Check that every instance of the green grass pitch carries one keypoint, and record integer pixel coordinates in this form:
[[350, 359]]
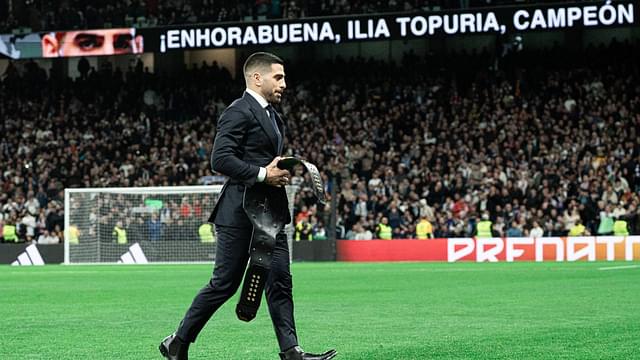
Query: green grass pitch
[[366, 311]]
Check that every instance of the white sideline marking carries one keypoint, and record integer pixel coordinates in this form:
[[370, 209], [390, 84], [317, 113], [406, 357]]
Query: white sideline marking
[[620, 267]]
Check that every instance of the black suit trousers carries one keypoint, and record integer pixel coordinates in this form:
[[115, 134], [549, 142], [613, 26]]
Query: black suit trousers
[[232, 255]]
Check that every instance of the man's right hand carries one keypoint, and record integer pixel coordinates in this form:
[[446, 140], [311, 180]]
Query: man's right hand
[[275, 175]]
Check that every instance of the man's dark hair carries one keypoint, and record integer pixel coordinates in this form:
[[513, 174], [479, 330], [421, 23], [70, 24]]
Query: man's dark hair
[[260, 60]]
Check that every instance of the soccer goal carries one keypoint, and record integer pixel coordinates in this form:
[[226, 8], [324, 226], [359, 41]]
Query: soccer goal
[[142, 225]]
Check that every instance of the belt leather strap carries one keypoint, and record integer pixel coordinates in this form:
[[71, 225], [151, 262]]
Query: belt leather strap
[[267, 226]]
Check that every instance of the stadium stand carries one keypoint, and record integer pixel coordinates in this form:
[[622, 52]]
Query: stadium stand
[[43, 15], [529, 147], [537, 146]]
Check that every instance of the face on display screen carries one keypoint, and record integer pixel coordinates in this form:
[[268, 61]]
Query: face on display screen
[[92, 43]]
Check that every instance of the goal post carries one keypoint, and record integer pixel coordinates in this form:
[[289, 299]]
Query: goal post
[[142, 225]]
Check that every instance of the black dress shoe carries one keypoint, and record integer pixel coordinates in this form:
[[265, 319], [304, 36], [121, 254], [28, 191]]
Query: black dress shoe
[[296, 353], [172, 348]]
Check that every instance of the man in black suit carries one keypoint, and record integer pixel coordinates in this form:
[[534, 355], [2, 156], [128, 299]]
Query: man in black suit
[[249, 140]]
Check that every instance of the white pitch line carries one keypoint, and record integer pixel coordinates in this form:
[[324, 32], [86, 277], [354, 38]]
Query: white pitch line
[[619, 267]]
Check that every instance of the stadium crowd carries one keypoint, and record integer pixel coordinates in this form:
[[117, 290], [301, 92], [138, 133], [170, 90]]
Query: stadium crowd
[[42, 15], [63, 133], [546, 145], [552, 151]]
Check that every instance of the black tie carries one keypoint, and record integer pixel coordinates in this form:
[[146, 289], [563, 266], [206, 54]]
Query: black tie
[[272, 115]]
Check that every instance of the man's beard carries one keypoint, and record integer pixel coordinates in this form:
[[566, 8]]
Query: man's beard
[[274, 98]]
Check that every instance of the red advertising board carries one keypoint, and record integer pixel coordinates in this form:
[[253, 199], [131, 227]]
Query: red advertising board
[[589, 248]]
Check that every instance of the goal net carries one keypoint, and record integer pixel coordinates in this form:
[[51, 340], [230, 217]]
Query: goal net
[[140, 225]]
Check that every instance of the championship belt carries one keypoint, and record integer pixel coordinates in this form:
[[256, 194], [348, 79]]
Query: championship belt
[[267, 225], [318, 187]]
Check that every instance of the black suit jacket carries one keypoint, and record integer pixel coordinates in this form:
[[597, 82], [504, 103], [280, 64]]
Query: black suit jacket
[[245, 141]]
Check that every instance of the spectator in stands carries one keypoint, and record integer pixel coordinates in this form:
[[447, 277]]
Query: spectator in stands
[[319, 232], [536, 231], [620, 227], [484, 227], [384, 231], [360, 233], [500, 228], [155, 227], [48, 238], [304, 213], [10, 232], [304, 230], [28, 226], [424, 229], [571, 218], [32, 204], [119, 233], [514, 230], [578, 229]]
